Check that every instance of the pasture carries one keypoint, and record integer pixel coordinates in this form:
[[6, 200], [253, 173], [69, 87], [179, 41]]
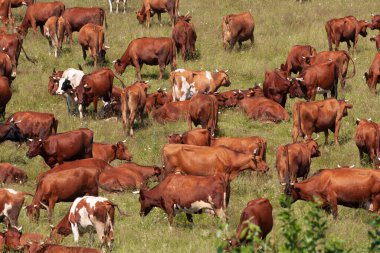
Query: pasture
[[279, 25]]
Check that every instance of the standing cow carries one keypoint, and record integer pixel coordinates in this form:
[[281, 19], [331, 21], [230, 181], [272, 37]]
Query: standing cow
[[184, 36], [372, 77], [367, 139], [297, 57], [54, 31], [238, 28], [204, 111], [158, 6]]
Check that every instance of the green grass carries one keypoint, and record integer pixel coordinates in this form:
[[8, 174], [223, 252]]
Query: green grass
[[279, 25]]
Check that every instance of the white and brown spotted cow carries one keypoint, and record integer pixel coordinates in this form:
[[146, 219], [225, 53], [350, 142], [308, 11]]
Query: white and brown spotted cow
[[11, 203], [186, 83]]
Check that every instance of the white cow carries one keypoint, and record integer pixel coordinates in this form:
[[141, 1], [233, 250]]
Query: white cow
[[70, 79]]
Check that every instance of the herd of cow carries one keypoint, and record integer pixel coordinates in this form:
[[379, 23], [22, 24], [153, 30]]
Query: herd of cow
[[197, 165]]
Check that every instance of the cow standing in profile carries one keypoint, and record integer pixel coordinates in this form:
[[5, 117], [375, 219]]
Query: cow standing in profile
[[237, 28], [150, 7]]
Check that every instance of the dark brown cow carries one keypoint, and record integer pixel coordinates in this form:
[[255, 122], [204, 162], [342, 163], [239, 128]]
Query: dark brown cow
[[320, 116], [37, 14], [6, 12], [171, 112], [5, 95], [376, 39], [11, 174], [294, 160], [237, 28], [109, 152], [375, 22], [345, 30], [204, 111], [156, 100], [91, 37], [149, 51], [54, 31], [367, 139], [184, 36], [297, 57], [11, 203], [190, 194], [208, 161], [77, 17], [340, 186], [373, 76], [199, 137], [263, 109], [67, 146], [43, 247], [19, 3], [150, 7], [6, 69]]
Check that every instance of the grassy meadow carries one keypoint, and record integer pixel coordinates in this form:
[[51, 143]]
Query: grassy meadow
[[279, 25]]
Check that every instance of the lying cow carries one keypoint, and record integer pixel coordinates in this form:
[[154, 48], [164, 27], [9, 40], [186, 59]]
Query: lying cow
[[171, 112], [229, 98], [53, 248], [156, 100], [238, 28], [297, 57], [376, 39], [190, 194], [11, 174], [367, 139], [150, 7], [109, 152], [15, 240], [199, 137], [184, 36], [320, 116], [54, 31], [373, 76], [204, 111], [5, 95], [263, 109], [11, 203]]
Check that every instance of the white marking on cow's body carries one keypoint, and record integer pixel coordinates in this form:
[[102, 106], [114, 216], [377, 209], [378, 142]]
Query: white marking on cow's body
[[180, 70], [7, 208], [194, 207], [208, 75], [322, 91], [11, 191], [186, 89], [91, 200]]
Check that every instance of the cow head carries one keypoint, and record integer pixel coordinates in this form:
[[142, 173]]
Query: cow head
[[370, 79], [33, 212], [10, 131], [141, 16], [260, 164], [344, 105], [312, 145], [175, 139], [296, 89], [119, 66], [22, 31], [292, 192], [13, 237], [53, 84], [145, 203], [222, 78], [102, 52], [35, 146], [375, 22], [122, 152], [64, 86], [60, 231], [363, 25]]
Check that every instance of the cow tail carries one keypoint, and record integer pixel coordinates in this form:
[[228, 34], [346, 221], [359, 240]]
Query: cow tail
[[124, 101], [176, 8], [119, 210], [214, 114], [298, 109], [10, 12], [377, 140], [353, 63], [55, 125], [329, 34], [263, 150], [27, 57], [121, 81], [97, 46], [105, 19]]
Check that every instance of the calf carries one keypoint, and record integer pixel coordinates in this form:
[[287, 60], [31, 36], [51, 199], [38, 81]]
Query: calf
[[109, 152], [199, 137], [156, 100], [11, 203], [67, 146], [376, 39], [294, 160], [161, 6], [5, 95], [11, 174], [54, 31], [367, 139], [263, 109], [184, 36], [6, 12], [238, 28], [320, 116], [373, 76], [297, 57], [171, 112], [190, 194], [203, 110]]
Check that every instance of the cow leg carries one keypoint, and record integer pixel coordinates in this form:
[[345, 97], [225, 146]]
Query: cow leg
[[162, 70], [147, 18], [50, 211], [252, 39], [240, 44], [117, 6], [110, 4], [95, 102], [34, 26], [99, 227], [169, 209], [232, 43], [159, 18], [336, 133], [326, 136], [189, 218], [331, 198], [131, 120], [221, 214], [84, 53], [124, 5], [183, 49], [337, 42], [189, 122], [80, 109]]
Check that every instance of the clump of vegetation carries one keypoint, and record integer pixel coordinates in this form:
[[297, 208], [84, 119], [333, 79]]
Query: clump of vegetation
[[374, 235]]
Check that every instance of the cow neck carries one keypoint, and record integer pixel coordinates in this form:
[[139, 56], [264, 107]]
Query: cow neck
[[125, 59], [154, 196]]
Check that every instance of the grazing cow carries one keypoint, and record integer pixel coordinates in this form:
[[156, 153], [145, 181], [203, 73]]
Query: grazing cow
[[62, 186], [117, 5], [367, 139], [263, 109], [237, 28], [77, 17], [345, 30], [184, 36], [320, 116], [199, 137], [11, 174], [294, 160], [156, 100], [6, 69], [54, 31], [37, 14], [150, 7], [375, 22], [373, 76], [15, 240], [91, 37], [109, 152], [277, 86], [11, 203], [189, 194], [149, 51], [5, 95], [203, 110], [376, 39], [53, 248], [341, 186], [67, 146], [133, 99], [6, 12], [186, 83], [171, 112], [208, 161], [297, 57]]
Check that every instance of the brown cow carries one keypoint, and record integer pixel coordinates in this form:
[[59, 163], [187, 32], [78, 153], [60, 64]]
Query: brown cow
[[146, 172], [133, 99], [149, 51], [54, 31], [297, 57], [43, 247], [156, 100], [198, 136], [19, 3], [171, 112], [150, 7], [376, 39], [345, 30], [6, 12], [320, 116], [11, 174], [375, 22], [206, 161], [341, 186], [6, 68], [15, 240], [263, 109], [373, 76], [37, 14], [91, 37], [184, 36], [204, 111], [11, 203], [238, 28], [67, 146], [5, 95], [109, 152], [229, 98], [190, 194], [294, 160], [367, 139]]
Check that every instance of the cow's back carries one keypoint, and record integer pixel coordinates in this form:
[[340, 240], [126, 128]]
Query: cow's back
[[35, 124]]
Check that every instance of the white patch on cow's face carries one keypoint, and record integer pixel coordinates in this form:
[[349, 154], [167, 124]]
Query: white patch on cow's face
[[11, 191], [322, 91], [208, 75], [194, 207], [180, 70]]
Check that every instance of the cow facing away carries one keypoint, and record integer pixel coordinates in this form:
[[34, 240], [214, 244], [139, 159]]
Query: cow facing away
[[184, 36], [372, 77], [150, 7], [237, 28], [204, 111], [297, 57], [54, 31], [367, 139]]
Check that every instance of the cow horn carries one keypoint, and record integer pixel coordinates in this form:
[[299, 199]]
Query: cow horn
[[164, 89], [216, 70], [42, 204], [85, 85], [346, 100], [303, 57], [339, 166], [317, 137], [39, 139], [188, 12], [114, 61], [240, 91], [289, 79], [352, 166], [283, 184], [158, 89], [136, 192], [255, 151], [106, 47], [3, 48], [235, 92], [125, 141], [357, 120], [18, 228], [51, 226], [299, 79], [146, 81], [291, 183], [372, 14], [370, 119], [11, 120], [180, 135], [226, 70], [30, 139], [17, 122]]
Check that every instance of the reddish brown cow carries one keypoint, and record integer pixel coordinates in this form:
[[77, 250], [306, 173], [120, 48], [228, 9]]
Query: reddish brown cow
[[150, 51], [320, 116], [5, 95], [297, 57], [19, 3], [54, 31], [109, 152], [294, 160], [375, 22], [37, 14], [367, 139], [6, 69], [184, 36], [11, 174], [203, 110], [67, 146], [376, 39], [52, 248], [146, 172], [150, 7], [373, 76], [6, 12], [199, 137], [15, 240], [11, 203], [171, 112], [206, 161], [238, 28], [156, 100], [263, 109], [190, 194], [229, 98], [340, 186], [345, 30]]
